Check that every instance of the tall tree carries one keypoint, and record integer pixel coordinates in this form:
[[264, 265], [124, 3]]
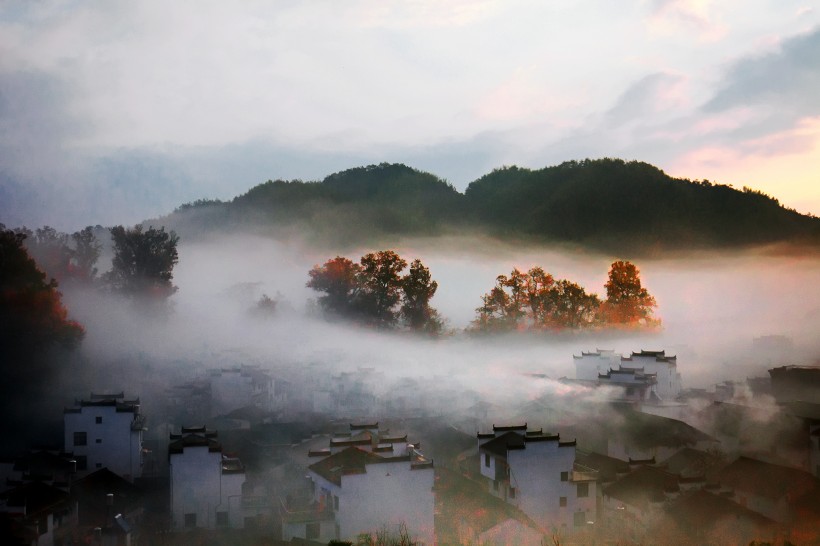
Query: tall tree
[[338, 278], [144, 261], [628, 303], [571, 307], [418, 288], [380, 287], [85, 254]]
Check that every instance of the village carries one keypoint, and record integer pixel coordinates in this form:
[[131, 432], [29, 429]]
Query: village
[[243, 455]]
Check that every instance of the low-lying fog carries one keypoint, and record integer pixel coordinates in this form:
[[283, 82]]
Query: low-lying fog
[[712, 308]]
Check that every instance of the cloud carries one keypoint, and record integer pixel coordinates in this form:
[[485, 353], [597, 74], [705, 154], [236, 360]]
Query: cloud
[[785, 79], [652, 95]]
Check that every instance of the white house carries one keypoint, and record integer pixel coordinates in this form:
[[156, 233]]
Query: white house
[[663, 367], [591, 364], [358, 491], [106, 432], [234, 388], [537, 473], [206, 485]]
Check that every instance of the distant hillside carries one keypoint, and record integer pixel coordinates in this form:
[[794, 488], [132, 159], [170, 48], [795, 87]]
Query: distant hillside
[[607, 204]]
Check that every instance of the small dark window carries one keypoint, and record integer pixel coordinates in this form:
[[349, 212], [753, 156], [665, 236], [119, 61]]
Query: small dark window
[[312, 531], [98, 465], [222, 519], [583, 490], [190, 520], [80, 439], [512, 492], [564, 476], [98, 419], [580, 519], [487, 459], [98, 441], [562, 501]]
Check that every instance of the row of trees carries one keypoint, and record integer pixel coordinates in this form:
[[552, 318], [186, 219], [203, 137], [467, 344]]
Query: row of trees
[[536, 300], [142, 264], [374, 292]]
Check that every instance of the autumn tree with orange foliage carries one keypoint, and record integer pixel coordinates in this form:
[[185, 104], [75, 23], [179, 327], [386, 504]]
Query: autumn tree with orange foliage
[[628, 303]]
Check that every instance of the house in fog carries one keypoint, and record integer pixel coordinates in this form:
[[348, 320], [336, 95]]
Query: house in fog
[[645, 378], [234, 388], [367, 437], [796, 383], [538, 473], [53, 467], [363, 489], [36, 513], [769, 489], [206, 484], [105, 431]]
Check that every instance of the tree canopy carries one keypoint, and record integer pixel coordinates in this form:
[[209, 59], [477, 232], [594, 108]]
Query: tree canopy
[[143, 263], [375, 293], [535, 300]]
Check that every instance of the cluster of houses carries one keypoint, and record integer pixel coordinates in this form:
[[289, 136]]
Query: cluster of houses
[[729, 471]]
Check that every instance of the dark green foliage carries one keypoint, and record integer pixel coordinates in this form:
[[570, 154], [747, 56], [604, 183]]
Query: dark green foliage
[[607, 204], [374, 293], [144, 261]]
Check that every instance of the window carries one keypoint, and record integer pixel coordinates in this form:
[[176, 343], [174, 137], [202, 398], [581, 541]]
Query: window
[[487, 460], [512, 492], [583, 490], [190, 520], [312, 531], [579, 519], [222, 519], [562, 501], [98, 441], [98, 420], [98, 465], [564, 476], [80, 439]]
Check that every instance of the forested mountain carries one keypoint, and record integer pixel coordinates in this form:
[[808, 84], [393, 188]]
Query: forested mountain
[[608, 204]]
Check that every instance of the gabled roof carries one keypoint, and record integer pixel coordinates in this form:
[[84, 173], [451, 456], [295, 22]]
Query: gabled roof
[[193, 440], [35, 497], [767, 480], [608, 467], [645, 430], [701, 510], [693, 462], [644, 485], [352, 460]]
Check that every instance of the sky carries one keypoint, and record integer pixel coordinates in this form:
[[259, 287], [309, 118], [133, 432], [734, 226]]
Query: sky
[[114, 112]]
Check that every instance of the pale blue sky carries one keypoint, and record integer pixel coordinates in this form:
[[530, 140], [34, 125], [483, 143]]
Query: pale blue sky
[[112, 112]]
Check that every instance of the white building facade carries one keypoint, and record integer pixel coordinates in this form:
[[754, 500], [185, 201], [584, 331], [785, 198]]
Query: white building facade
[[537, 473], [105, 432], [206, 485]]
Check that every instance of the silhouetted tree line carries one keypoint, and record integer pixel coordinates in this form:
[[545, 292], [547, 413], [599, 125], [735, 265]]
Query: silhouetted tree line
[[535, 300], [606, 203]]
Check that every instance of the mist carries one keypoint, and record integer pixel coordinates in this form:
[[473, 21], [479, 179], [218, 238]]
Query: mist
[[712, 306]]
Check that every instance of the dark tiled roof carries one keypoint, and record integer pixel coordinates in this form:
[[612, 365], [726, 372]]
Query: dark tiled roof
[[701, 510], [767, 480], [510, 427], [349, 461], [36, 497], [608, 467], [644, 485], [193, 440]]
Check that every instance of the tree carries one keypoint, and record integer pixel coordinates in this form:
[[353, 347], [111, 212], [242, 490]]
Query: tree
[[535, 300], [380, 287], [143, 264], [418, 288], [32, 315], [36, 338], [85, 254], [373, 291], [628, 303], [339, 279]]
